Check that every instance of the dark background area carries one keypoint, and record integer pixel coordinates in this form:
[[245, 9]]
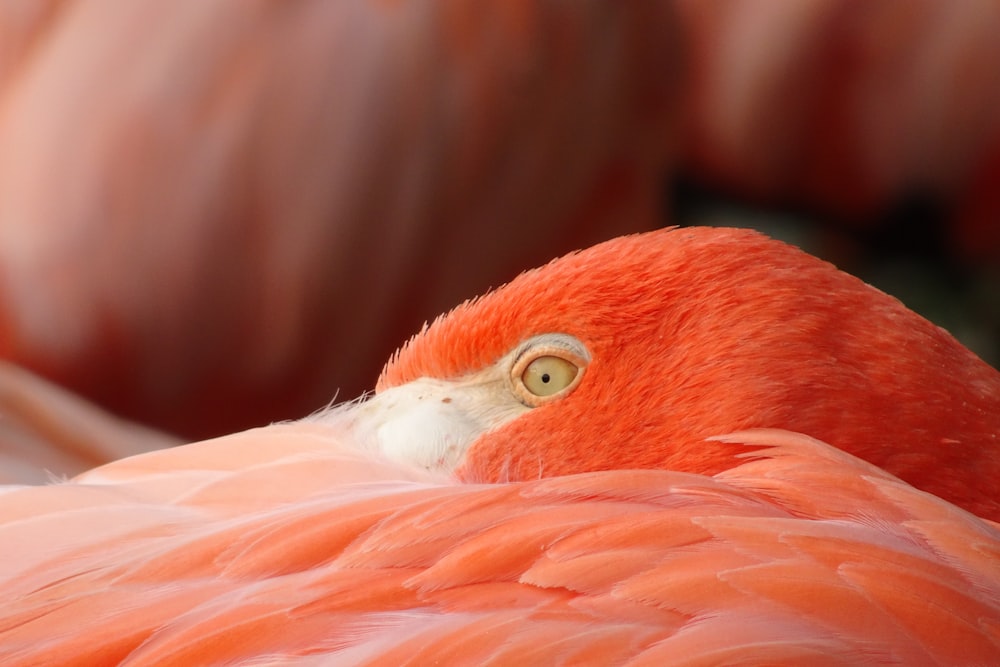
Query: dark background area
[[906, 252]]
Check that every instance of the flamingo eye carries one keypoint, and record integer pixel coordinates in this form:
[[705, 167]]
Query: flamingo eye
[[548, 375], [547, 369]]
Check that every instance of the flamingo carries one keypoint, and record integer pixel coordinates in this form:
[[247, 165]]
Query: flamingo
[[595, 464], [848, 108], [256, 169]]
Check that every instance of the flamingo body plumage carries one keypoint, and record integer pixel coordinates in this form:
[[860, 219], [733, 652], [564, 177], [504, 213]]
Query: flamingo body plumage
[[611, 520], [283, 546]]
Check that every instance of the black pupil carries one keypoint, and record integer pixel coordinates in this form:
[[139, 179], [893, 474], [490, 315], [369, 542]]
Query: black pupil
[[545, 378]]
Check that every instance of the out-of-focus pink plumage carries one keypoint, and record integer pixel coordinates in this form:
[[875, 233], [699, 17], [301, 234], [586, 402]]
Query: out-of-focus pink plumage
[[203, 204]]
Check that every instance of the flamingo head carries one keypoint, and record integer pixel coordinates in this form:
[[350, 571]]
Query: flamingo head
[[633, 352]]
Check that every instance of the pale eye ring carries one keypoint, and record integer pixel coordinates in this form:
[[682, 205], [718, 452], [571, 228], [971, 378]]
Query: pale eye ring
[[548, 368]]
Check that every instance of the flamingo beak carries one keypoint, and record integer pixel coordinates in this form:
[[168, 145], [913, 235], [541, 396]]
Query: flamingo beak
[[430, 423]]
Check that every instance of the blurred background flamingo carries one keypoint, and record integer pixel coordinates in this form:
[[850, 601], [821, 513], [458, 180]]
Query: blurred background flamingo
[[203, 204]]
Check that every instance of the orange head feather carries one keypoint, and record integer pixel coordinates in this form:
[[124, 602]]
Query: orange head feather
[[699, 332]]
